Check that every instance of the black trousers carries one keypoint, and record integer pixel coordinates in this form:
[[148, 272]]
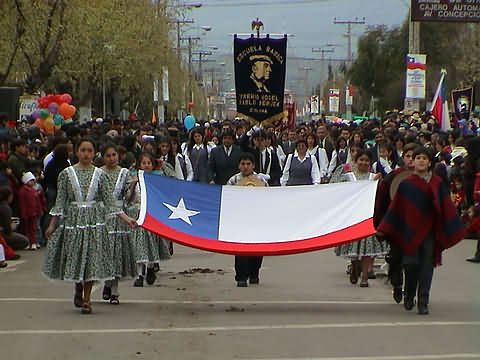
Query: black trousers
[[419, 272], [395, 268], [247, 267]]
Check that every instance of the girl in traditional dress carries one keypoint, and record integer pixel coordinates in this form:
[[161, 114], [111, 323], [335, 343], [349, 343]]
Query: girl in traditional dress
[[123, 250], [149, 248], [361, 252], [79, 249]]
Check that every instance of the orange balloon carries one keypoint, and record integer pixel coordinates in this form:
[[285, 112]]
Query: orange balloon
[[39, 124], [64, 110]]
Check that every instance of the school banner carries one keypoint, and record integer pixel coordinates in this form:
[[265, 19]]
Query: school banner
[[260, 66], [416, 70], [244, 220], [462, 100]]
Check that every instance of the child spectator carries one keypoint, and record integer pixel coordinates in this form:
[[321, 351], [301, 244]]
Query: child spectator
[[30, 209], [384, 165], [13, 239]]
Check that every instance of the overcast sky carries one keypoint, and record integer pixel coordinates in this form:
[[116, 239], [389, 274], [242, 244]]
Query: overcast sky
[[310, 21]]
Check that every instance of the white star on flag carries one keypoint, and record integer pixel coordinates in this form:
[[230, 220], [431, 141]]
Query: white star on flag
[[181, 212]]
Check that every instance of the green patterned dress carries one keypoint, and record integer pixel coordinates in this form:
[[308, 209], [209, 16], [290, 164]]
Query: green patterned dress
[[80, 248], [149, 248], [368, 246], [116, 183]]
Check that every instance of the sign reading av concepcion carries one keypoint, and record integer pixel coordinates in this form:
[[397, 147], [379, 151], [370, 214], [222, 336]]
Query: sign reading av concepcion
[[446, 10]]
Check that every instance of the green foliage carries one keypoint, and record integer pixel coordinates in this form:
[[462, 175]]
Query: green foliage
[[77, 45], [379, 70]]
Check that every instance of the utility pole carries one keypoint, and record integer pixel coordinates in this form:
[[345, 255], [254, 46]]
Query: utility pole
[[322, 70], [190, 39], [413, 48], [178, 22], [201, 53], [306, 87], [348, 35]]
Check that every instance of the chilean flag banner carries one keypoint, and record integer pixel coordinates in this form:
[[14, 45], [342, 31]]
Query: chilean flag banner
[[439, 108], [256, 221]]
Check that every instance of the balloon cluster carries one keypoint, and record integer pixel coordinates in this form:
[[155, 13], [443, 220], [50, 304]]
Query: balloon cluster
[[53, 111]]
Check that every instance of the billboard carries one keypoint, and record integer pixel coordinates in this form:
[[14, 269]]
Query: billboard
[[416, 69], [445, 10]]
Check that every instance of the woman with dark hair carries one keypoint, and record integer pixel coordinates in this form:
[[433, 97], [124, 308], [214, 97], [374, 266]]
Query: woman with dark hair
[[361, 252], [116, 183], [301, 168], [80, 250], [198, 151], [149, 248]]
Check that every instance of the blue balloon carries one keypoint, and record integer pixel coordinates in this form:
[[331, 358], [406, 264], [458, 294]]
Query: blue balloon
[[189, 122], [57, 119]]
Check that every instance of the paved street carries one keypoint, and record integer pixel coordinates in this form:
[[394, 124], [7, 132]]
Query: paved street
[[304, 308]]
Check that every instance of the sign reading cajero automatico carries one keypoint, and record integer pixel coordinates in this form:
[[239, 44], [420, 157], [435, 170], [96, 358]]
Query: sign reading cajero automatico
[[446, 10], [260, 65]]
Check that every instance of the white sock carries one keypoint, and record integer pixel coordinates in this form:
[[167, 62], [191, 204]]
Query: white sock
[[2, 253]]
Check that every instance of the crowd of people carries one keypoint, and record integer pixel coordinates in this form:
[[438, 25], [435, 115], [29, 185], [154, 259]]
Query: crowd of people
[[77, 194]]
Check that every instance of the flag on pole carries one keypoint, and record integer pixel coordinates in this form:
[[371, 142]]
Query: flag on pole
[[439, 108], [154, 118], [252, 220]]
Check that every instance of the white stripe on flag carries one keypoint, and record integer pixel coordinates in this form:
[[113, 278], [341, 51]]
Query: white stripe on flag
[[281, 214], [143, 207]]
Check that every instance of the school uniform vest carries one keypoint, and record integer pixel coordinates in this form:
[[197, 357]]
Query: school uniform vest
[[300, 172], [199, 159]]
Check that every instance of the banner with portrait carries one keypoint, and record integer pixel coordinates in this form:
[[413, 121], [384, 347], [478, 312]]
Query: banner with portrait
[[260, 66], [462, 103]]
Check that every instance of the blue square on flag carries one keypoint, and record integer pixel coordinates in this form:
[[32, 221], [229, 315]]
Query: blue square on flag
[[194, 210]]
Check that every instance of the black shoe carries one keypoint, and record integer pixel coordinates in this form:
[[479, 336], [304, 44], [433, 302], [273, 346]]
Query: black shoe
[[15, 257], [242, 283], [408, 303], [254, 281], [138, 282], [170, 248], [114, 300], [354, 273], [397, 294], [107, 293], [422, 309], [151, 277], [372, 275], [475, 259]]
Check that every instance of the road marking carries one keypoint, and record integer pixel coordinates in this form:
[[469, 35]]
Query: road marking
[[219, 302], [396, 357], [241, 328]]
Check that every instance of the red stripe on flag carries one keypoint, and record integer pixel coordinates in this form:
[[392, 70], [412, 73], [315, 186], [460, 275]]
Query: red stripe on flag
[[354, 232], [415, 66]]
